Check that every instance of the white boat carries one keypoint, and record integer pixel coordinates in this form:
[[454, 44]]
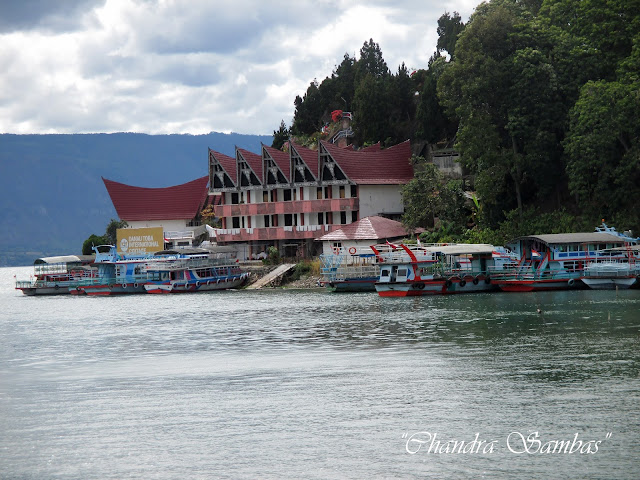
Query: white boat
[[54, 275], [609, 275]]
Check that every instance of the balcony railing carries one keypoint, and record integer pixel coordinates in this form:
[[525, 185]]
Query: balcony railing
[[299, 232], [277, 208]]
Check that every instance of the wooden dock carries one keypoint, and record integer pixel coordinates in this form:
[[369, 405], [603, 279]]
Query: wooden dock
[[271, 276]]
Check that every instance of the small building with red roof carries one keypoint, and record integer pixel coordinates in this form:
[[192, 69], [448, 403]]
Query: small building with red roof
[[176, 209], [358, 236]]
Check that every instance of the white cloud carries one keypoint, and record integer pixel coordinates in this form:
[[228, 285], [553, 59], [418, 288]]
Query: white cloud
[[177, 66]]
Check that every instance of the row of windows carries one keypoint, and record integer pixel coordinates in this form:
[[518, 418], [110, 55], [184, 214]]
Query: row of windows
[[291, 219], [291, 194]]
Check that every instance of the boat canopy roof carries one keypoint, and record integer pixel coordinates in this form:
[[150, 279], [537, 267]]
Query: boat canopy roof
[[463, 249], [564, 238], [65, 259]]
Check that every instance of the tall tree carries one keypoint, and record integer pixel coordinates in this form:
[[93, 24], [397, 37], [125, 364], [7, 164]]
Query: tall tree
[[308, 113], [449, 27], [280, 136], [371, 62]]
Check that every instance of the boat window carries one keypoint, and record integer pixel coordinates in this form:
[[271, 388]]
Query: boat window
[[384, 273], [402, 272]]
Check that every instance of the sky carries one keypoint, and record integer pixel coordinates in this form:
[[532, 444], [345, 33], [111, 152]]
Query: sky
[[191, 66]]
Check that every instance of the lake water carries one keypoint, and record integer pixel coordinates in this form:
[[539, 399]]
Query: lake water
[[308, 384]]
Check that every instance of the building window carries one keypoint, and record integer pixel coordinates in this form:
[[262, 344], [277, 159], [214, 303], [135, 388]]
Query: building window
[[354, 191], [327, 192], [336, 247], [266, 221], [234, 198], [288, 220], [274, 195], [235, 222], [320, 218], [265, 196], [319, 193], [354, 216], [343, 218], [287, 195], [342, 191]]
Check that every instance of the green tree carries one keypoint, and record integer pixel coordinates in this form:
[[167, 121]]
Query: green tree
[[280, 136], [93, 240], [432, 124], [449, 27], [371, 62], [111, 231], [603, 147], [370, 110], [421, 196], [309, 110]]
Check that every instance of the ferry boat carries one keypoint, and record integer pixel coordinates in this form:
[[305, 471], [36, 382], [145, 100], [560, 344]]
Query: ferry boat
[[117, 274], [54, 275], [443, 269], [201, 273], [168, 271], [355, 272], [558, 261]]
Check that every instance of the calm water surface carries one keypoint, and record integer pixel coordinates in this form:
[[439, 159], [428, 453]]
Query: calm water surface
[[307, 384]]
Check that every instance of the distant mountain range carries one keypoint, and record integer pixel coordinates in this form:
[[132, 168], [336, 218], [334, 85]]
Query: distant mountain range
[[51, 193]]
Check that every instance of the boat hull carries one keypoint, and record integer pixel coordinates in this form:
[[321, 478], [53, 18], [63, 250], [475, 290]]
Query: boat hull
[[600, 283], [42, 290], [438, 286], [202, 285], [538, 285], [367, 284], [109, 289]]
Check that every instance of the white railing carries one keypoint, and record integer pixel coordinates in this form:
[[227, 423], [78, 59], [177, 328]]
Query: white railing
[[179, 235]]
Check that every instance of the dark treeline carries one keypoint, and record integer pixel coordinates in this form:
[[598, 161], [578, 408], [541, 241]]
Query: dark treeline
[[540, 98]]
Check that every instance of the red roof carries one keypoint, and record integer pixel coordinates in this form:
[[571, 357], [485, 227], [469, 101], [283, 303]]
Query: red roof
[[368, 228], [228, 163], [254, 160], [180, 202], [391, 166], [281, 159], [309, 156]]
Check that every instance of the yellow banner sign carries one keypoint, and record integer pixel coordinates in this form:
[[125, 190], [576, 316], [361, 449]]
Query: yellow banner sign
[[135, 241]]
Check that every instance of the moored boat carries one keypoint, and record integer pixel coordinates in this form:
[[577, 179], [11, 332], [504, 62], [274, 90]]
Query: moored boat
[[194, 275], [610, 275], [355, 272], [439, 269], [557, 261], [117, 274], [54, 275]]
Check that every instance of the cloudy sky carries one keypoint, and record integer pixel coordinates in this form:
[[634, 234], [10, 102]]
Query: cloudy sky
[[190, 66]]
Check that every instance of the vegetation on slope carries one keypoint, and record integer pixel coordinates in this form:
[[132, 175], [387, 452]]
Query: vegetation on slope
[[540, 98]]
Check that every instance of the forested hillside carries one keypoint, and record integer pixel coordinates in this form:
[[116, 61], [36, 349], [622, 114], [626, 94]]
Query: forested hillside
[[540, 98], [51, 193]]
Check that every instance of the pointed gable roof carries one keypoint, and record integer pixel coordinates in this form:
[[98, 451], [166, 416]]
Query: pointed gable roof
[[281, 159], [309, 156], [226, 162], [180, 202], [253, 160], [368, 228], [391, 166]]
